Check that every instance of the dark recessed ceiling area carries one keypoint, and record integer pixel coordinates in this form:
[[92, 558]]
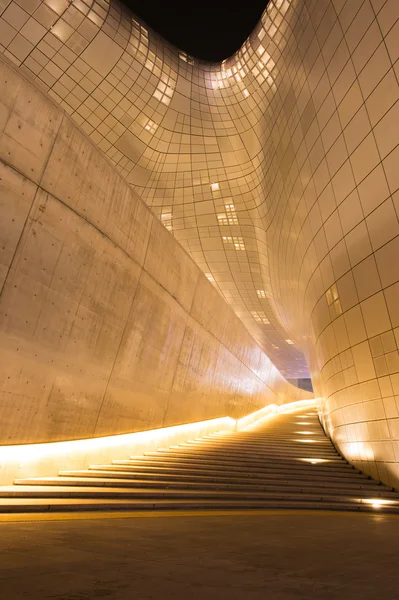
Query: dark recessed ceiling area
[[208, 30]]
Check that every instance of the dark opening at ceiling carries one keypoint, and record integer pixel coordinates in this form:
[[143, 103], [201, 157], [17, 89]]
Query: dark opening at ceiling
[[207, 30]]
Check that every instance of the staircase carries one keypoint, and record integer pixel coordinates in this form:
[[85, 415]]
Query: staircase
[[286, 462]]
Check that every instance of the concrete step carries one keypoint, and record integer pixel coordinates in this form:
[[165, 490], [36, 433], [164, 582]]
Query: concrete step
[[287, 487], [16, 492], [291, 467], [293, 440], [303, 461], [61, 505], [244, 456], [222, 472], [260, 447], [119, 473], [194, 463], [293, 443], [249, 454]]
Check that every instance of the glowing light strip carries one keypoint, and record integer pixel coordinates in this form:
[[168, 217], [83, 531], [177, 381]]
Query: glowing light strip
[[257, 417], [33, 452], [295, 406], [273, 410], [47, 459]]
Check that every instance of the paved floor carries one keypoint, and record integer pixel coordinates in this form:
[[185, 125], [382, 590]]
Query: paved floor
[[275, 555]]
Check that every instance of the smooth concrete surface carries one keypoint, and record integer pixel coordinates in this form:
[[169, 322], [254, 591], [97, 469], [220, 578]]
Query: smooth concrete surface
[[107, 326], [279, 555]]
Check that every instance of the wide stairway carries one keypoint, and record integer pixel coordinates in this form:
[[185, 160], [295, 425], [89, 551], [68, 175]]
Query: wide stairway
[[284, 462]]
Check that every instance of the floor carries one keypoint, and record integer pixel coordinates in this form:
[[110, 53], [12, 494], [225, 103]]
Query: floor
[[277, 555]]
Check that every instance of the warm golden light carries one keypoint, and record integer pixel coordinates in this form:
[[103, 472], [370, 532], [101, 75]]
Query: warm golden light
[[272, 410], [359, 451], [296, 406], [257, 417], [33, 452], [49, 458], [378, 502]]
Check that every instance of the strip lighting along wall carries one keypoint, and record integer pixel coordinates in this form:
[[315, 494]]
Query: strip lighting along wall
[[47, 459]]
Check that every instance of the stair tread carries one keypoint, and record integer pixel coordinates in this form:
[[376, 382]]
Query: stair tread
[[190, 467], [70, 491], [224, 472], [101, 482], [132, 501], [71, 504], [184, 477]]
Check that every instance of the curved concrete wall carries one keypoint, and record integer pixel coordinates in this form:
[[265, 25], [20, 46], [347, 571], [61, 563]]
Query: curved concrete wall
[[277, 170], [106, 324]]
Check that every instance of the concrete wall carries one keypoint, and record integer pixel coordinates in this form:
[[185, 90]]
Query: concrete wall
[[106, 324]]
